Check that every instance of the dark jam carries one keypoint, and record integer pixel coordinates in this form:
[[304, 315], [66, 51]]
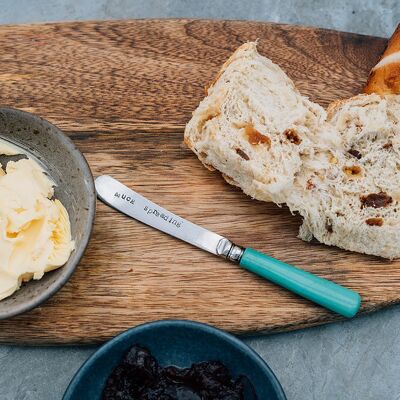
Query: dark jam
[[140, 377]]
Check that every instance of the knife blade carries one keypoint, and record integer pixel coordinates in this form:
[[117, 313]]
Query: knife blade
[[127, 201], [326, 293]]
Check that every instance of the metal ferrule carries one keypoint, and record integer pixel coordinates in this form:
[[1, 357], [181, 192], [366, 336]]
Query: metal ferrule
[[229, 250]]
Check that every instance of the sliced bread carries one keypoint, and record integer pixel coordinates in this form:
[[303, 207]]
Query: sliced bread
[[355, 203], [340, 170], [255, 127], [385, 76]]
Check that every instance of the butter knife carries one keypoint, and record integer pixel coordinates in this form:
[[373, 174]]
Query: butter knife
[[326, 293]]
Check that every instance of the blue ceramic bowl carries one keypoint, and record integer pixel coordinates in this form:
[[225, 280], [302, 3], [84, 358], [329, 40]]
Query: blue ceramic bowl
[[179, 343]]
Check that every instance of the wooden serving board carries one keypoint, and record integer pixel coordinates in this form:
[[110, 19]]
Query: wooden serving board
[[123, 91]]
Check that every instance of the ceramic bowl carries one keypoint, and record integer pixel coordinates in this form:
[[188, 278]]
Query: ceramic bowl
[[75, 189], [178, 343]]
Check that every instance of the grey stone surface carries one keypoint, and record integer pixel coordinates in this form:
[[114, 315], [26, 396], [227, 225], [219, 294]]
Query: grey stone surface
[[373, 17], [354, 360], [41, 373]]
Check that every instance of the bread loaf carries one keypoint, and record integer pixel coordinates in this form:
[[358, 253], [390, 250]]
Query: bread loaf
[[385, 76]]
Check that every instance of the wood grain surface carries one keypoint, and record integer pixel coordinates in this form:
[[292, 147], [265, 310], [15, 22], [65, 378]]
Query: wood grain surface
[[123, 91]]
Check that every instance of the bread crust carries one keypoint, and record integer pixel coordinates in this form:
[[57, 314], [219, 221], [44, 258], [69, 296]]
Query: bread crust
[[336, 105], [385, 77], [243, 47]]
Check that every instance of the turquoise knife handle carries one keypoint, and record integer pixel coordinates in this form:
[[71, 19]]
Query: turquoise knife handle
[[330, 295]]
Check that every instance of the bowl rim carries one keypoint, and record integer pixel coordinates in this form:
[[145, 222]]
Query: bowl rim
[[87, 173], [167, 323]]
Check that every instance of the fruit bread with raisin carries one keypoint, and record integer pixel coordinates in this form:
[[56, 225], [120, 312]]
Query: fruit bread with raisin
[[338, 170], [385, 76], [255, 127], [354, 203]]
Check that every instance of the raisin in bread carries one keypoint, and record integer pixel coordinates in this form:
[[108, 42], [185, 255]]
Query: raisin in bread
[[255, 127], [355, 203]]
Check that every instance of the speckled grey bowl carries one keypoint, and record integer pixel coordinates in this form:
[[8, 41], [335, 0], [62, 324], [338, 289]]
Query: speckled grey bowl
[[75, 189]]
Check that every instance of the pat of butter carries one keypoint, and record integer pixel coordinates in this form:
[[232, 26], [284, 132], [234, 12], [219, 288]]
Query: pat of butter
[[35, 231], [8, 149]]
